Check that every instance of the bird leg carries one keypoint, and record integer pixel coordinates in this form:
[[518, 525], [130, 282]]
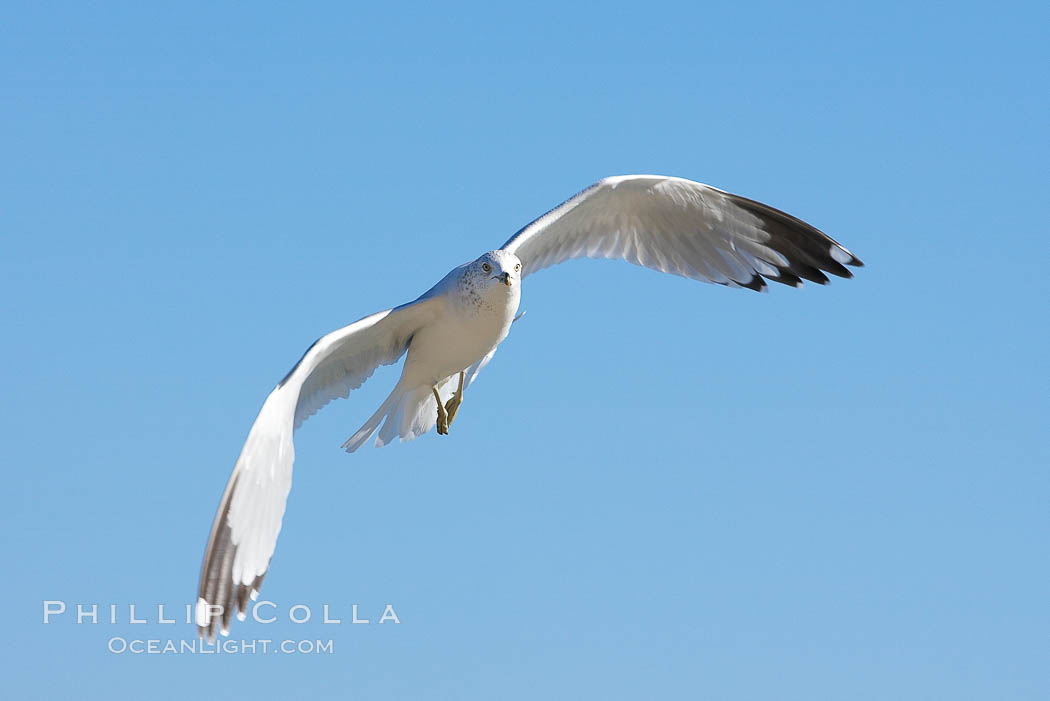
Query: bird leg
[[452, 406], [442, 423]]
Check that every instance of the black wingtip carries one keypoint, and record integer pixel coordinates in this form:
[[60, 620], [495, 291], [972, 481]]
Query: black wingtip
[[756, 283], [808, 252]]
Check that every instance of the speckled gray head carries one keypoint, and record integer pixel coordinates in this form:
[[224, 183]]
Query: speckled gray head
[[497, 267]]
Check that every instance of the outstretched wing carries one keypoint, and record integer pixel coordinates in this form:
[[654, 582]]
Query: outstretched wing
[[683, 227], [244, 533]]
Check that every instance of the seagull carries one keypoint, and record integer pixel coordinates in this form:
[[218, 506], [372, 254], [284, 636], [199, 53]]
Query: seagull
[[452, 330]]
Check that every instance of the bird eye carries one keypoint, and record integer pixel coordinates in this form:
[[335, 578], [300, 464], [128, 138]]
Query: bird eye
[[486, 267], [517, 268]]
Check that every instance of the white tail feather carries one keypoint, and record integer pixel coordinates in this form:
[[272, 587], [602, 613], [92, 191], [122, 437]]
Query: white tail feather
[[365, 432], [405, 414]]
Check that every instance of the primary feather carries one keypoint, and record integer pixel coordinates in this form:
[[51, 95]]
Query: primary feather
[[681, 227], [244, 533]]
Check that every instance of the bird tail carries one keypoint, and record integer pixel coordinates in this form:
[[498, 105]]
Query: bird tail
[[406, 414]]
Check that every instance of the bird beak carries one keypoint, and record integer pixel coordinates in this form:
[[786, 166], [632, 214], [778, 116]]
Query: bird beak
[[504, 278]]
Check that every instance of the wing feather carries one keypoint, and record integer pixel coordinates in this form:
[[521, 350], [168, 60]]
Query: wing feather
[[685, 228], [244, 532]]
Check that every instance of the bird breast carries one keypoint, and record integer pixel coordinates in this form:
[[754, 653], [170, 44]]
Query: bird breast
[[469, 328]]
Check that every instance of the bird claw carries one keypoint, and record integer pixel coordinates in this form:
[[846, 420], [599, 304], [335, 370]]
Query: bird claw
[[442, 419], [451, 407], [447, 412]]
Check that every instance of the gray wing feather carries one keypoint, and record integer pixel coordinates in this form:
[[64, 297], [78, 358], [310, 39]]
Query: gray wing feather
[[685, 228], [244, 533]]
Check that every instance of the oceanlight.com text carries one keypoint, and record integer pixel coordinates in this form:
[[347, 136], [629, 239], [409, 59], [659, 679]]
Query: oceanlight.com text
[[154, 646]]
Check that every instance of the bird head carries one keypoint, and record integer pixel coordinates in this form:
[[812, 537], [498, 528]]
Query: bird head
[[498, 268]]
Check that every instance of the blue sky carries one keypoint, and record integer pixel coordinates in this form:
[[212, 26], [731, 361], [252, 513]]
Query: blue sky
[[658, 489]]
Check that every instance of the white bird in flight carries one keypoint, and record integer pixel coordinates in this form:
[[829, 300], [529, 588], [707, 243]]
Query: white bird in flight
[[452, 330]]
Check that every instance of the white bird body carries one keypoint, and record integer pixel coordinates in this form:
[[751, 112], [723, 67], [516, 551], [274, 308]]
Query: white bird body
[[450, 332], [467, 325], [468, 316]]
